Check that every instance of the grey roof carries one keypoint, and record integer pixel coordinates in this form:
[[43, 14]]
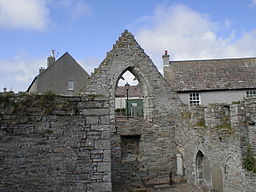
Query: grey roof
[[134, 91], [66, 57], [214, 74]]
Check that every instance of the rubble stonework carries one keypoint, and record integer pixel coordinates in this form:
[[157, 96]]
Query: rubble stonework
[[222, 133], [54, 143], [66, 148], [156, 159]]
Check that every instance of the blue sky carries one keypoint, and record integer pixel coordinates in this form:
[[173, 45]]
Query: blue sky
[[87, 29]]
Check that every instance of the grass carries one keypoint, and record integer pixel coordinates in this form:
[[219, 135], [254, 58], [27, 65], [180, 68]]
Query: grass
[[186, 115], [201, 123], [236, 102], [250, 160]]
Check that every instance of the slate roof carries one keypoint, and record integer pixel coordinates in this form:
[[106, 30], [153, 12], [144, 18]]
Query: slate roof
[[134, 91], [214, 74], [66, 57]]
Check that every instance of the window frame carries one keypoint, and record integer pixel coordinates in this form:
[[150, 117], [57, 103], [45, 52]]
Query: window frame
[[250, 93], [70, 85], [194, 99]]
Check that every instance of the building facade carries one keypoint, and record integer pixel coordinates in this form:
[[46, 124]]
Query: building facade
[[201, 82], [62, 77]]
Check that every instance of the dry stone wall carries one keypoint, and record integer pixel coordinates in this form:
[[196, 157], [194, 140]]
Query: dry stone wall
[[50, 143]]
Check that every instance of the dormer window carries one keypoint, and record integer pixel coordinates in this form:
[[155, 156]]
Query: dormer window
[[70, 85]]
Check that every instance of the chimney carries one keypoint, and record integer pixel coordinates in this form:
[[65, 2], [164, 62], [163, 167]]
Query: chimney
[[41, 70], [166, 57], [51, 59]]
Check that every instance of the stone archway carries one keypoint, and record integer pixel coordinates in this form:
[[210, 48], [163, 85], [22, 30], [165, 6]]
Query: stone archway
[[143, 88], [153, 136], [232, 174]]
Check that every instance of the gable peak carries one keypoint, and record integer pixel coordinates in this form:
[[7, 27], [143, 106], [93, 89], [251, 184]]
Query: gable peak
[[126, 40]]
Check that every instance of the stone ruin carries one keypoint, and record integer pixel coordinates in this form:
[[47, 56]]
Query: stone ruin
[[56, 143]]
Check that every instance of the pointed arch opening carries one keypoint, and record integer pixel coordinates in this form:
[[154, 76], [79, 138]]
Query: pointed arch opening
[[199, 167], [203, 169], [130, 93]]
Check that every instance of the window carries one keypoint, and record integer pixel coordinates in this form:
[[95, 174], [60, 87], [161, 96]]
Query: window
[[130, 146], [251, 93], [71, 85], [194, 99]]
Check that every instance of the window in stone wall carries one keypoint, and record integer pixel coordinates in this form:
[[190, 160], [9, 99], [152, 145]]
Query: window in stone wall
[[194, 99], [128, 93], [70, 85], [130, 146], [251, 93]]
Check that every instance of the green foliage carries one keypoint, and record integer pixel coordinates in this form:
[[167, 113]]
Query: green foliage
[[46, 102], [93, 96], [201, 123], [19, 103], [236, 102], [120, 110], [250, 160], [186, 115], [224, 128], [5, 99], [225, 125]]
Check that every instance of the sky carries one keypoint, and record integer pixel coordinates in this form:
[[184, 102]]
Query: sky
[[87, 29]]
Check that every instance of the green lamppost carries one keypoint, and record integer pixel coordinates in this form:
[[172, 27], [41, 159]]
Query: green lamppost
[[127, 86]]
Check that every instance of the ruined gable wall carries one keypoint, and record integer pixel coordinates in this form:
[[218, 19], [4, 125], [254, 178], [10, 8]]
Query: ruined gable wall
[[221, 133], [52, 143], [157, 146]]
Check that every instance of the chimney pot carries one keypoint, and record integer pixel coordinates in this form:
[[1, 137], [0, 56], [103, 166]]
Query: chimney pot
[[50, 59], [166, 58]]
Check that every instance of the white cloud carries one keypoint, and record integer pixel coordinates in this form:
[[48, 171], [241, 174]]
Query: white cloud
[[24, 14], [22, 73], [187, 34], [89, 64]]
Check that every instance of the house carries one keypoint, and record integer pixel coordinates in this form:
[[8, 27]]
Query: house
[[200, 82], [63, 77]]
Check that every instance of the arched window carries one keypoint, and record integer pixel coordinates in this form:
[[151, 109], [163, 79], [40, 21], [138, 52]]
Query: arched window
[[199, 167], [128, 96]]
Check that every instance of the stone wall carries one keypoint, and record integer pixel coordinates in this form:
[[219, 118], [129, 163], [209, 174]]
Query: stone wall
[[50, 143], [222, 133], [157, 157]]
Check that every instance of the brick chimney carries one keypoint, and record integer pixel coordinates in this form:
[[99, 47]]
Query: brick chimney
[[51, 59], [166, 58]]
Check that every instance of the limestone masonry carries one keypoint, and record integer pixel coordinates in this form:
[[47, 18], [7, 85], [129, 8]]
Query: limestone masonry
[[57, 143]]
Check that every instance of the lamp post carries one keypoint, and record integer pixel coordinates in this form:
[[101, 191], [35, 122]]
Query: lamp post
[[127, 86]]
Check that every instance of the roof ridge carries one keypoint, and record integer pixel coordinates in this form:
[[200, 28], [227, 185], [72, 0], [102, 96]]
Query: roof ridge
[[214, 59]]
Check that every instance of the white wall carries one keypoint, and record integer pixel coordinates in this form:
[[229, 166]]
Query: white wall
[[227, 96]]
